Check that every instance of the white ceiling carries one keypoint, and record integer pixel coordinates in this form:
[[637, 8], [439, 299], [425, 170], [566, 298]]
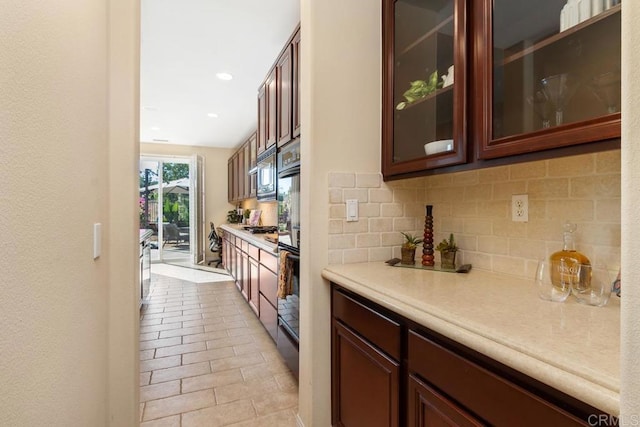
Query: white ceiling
[[185, 43]]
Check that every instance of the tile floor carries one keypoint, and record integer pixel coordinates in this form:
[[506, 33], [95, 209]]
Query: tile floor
[[206, 360]]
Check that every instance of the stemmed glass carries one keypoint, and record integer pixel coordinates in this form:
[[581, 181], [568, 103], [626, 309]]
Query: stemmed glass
[[541, 106], [606, 87], [558, 91]]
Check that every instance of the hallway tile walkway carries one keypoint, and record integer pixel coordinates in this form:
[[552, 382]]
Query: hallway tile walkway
[[206, 360]]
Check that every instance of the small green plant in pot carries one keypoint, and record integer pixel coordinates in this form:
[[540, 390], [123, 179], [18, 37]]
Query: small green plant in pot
[[408, 248], [448, 249]]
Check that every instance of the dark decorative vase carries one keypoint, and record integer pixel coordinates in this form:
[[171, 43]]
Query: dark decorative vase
[[408, 256], [448, 260]]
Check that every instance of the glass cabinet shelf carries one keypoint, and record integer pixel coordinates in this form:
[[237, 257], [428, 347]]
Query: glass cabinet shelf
[[561, 35]]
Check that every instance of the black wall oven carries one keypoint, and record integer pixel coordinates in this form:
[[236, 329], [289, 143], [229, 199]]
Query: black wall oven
[[288, 190]]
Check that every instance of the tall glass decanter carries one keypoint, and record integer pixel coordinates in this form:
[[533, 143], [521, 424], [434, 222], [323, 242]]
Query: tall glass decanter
[[570, 273]]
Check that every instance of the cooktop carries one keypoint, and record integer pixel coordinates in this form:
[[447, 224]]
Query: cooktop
[[261, 229]]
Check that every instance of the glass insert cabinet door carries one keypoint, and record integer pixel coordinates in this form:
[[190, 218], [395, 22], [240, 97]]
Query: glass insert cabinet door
[[424, 84], [547, 75]]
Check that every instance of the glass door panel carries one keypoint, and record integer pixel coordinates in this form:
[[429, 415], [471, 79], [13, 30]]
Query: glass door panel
[[554, 76], [424, 95]]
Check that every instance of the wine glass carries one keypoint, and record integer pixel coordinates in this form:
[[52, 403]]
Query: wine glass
[[558, 91], [606, 87], [554, 279], [541, 106]]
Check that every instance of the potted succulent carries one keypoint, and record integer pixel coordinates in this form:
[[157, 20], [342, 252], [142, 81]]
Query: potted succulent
[[448, 249], [408, 248]]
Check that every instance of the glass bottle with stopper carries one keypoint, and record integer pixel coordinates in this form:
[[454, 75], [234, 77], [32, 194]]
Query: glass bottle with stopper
[[566, 264]]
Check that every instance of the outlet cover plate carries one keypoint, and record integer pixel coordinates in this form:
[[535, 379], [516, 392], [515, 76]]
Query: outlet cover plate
[[520, 208]]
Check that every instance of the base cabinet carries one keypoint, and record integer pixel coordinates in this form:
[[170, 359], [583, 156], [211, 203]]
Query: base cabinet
[[389, 371], [428, 407], [366, 382]]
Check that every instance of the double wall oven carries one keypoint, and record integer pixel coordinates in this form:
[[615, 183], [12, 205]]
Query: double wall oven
[[288, 191]]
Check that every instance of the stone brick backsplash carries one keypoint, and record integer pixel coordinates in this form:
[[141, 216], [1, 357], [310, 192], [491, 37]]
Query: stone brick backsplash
[[476, 207]]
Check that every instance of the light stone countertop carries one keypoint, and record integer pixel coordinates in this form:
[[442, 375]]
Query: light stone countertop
[[255, 239], [572, 347], [145, 234]]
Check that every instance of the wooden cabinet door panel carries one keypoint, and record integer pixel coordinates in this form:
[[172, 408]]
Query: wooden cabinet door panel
[[262, 120], [245, 281], [295, 85], [498, 400], [271, 109], [428, 408], [283, 93], [254, 295], [269, 285], [365, 382], [269, 317]]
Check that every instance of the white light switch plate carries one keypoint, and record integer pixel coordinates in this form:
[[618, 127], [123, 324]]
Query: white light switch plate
[[352, 210], [97, 240]]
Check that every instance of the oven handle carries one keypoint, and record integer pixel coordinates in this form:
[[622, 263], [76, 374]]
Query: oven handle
[[293, 257], [291, 171]]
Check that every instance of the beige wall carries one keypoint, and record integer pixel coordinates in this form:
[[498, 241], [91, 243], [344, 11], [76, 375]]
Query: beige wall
[[215, 176], [340, 106], [54, 151], [630, 333], [122, 241], [476, 207]]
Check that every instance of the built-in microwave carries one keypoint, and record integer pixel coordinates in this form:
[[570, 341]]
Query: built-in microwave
[[266, 170]]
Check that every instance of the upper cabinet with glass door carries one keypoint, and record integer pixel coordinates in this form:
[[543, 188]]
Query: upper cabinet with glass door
[[424, 85], [546, 74]]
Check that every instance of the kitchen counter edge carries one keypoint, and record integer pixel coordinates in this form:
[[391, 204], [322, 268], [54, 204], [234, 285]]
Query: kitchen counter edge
[[254, 239]]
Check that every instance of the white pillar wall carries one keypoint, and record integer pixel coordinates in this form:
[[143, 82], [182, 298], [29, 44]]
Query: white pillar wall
[[341, 106], [630, 181]]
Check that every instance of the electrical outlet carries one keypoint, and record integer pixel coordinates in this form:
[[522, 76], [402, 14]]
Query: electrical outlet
[[520, 208]]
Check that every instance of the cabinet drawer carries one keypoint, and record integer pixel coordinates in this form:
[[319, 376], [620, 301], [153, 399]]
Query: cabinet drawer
[[269, 285], [499, 401], [254, 252], [269, 260], [269, 317], [375, 327], [245, 246]]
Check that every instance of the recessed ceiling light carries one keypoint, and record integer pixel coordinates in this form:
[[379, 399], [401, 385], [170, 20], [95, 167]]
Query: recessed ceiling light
[[224, 76], [214, 115], [155, 128], [150, 108]]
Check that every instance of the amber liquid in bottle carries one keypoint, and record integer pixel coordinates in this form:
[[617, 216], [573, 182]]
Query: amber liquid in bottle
[[565, 265]]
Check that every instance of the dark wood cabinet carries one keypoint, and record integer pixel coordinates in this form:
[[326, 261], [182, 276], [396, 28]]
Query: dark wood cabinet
[[366, 382], [271, 85], [262, 119], [538, 86], [254, 294], [366, 367], [424, 122], [241, 184], [521, 82], [429, 408], [279, 98], [230, 179], [253, 157], [295, 84], [284, 96], [388, 370], [268, 288]]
